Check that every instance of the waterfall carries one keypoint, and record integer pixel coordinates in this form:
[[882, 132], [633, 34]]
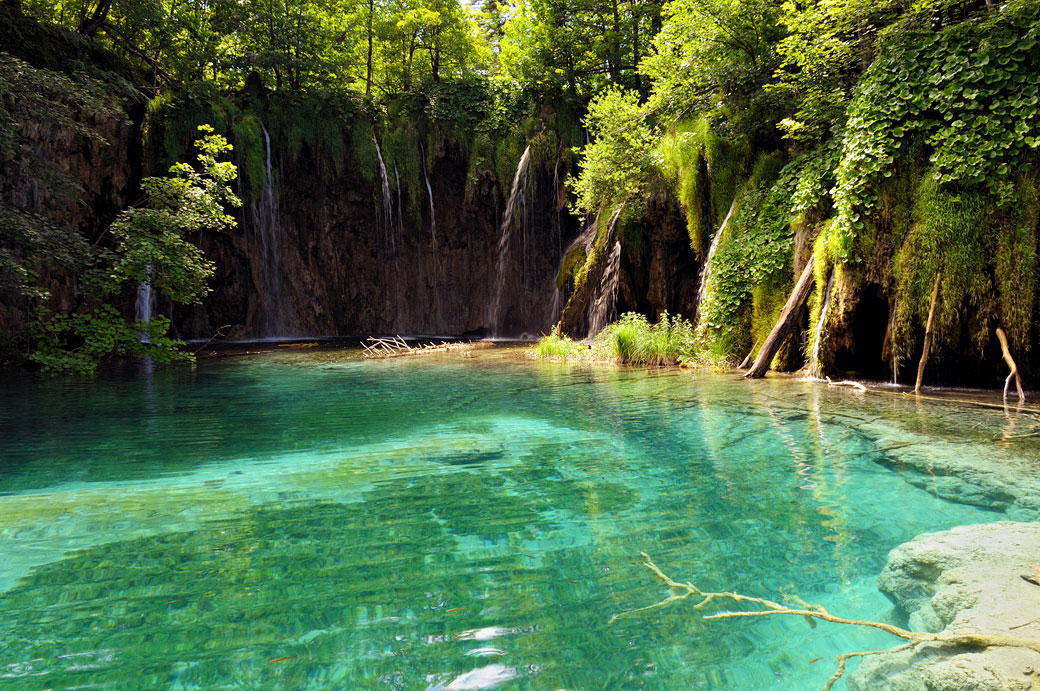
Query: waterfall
[[706, 270], [429, 193], [555, 306], [516, 206], [814, 360], [892, 345], [144, 307], [388, 203], [400, 216], [265, 221], [604, 307]]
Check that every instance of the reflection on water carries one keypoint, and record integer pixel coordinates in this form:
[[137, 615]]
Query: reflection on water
[[310, 520]]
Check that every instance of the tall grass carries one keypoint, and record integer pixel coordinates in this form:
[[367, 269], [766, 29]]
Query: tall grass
[[634, 340], [630, 340], [557, 347]]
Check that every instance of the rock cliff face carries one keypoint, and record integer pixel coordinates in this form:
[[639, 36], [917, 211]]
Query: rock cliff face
[[963, 580], [343, 267], [77, 181]]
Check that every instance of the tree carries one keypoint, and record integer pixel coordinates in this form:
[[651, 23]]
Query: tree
[[149, 245]]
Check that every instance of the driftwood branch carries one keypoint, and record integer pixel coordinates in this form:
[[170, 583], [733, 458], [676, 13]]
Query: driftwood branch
[[927, 334], [219, 333], [395, 346], [1011, 363], [746, 362], [788, 316], [683, 591], [846, 382]]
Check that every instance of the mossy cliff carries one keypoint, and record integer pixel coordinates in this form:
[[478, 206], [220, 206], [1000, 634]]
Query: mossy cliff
[[932, 173], [360, 246]]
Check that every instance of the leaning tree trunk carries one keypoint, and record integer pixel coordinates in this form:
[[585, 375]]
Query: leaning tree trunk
[[927, 334], [788, 316], [1011, 363]]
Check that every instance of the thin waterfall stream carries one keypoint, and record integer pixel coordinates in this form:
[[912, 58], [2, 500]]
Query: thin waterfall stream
[[603, 307], [144, 306], [702, 290], [266, 223], [814, 360], [429, 195], [516, 208], [388, 203]]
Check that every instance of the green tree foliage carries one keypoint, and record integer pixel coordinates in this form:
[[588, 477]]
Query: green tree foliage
[[149, 244], [617, 166], [835, 99], [35, 98]]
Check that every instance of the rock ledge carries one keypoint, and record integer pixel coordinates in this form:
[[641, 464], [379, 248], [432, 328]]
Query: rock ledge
[[968, 579]]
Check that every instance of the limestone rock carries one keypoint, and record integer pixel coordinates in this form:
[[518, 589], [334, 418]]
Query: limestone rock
[[962, 580]]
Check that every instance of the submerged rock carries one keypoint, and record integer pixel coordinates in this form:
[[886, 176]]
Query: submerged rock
[[968, 579]]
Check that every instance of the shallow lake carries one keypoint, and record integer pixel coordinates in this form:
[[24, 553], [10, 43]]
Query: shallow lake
[[309, 520]]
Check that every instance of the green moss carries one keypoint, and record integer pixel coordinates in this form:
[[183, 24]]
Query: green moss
[[1015, 262], [172, 121], [766, 303], [364, 149], [948, 235], [704, 171], [400, 144], [251, 150], [572, 262]]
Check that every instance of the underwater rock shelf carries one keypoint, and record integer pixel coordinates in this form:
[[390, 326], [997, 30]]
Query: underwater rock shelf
[[977, 578]]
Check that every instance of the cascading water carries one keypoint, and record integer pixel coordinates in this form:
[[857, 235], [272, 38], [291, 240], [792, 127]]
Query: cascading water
[[604, 307], [814, 360], [400, 215], [702, 291], [516, 208], [429, 195], [892, 347], [144, 307], [272, 317], [388, 202]]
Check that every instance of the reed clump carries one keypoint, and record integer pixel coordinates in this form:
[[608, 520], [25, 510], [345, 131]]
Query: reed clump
[[631, 340]]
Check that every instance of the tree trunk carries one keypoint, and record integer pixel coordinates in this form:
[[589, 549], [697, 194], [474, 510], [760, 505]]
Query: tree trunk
[[784, 324], [927, 334], [635, 49], [1011, 363], [88, 26], [746, 362]]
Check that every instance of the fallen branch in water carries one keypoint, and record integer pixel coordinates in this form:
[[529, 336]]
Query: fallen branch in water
[[383, 348], [219, 333], [845, 382], [812, 612]]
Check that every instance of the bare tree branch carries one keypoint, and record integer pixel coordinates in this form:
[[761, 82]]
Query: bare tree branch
[[682, 591]]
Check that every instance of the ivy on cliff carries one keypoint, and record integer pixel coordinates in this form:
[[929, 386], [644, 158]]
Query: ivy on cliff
[[969, 89]]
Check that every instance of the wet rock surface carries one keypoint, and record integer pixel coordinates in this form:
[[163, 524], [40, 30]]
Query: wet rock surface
[[968, 579]]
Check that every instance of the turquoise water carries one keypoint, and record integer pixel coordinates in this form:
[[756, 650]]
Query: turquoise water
[[312, 520]]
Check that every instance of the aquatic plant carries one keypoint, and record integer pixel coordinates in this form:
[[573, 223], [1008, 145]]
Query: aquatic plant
[[559, 347]]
